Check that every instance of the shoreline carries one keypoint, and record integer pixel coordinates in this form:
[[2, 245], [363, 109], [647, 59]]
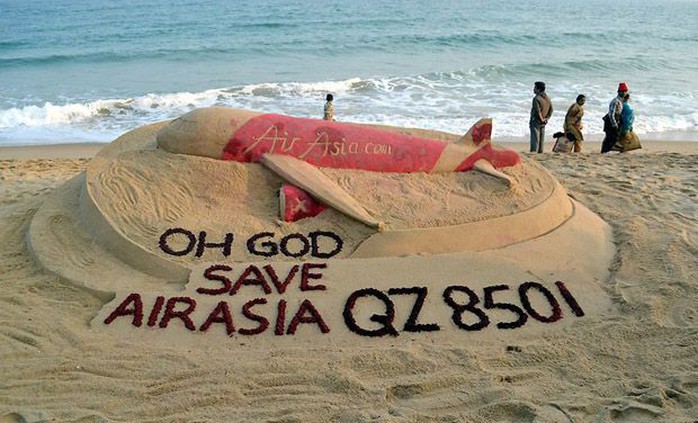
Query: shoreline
[[594, 147], [51, 151], [89, 150]]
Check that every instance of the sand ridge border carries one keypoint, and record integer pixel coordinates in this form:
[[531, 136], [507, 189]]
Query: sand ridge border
[[102, 174], [107, 231]]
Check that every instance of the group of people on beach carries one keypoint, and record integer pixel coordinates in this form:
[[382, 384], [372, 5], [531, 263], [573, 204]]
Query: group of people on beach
[[618, 123]]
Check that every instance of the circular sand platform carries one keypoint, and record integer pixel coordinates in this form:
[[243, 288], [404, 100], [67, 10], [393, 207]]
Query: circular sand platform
[[155, 214]]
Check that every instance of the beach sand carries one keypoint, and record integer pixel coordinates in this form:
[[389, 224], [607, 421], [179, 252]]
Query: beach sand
[[637, 361]]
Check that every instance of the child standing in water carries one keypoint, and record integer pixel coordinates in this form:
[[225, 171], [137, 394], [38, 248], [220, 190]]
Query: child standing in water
[[329, 108]]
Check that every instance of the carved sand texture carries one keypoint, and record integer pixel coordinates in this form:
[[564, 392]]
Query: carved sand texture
[[634, 364], [144, 191]]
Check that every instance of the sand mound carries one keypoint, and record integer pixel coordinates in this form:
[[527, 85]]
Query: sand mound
[[191, 245], [149, 209], [632, 362]]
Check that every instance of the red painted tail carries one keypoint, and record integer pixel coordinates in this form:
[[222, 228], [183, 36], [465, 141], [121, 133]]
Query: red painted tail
[[478, 134]]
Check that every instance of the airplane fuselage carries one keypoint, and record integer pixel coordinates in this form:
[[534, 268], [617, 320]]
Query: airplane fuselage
[[245, 136]]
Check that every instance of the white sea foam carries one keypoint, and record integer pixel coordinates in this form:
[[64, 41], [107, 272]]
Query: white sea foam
[[442, 101]]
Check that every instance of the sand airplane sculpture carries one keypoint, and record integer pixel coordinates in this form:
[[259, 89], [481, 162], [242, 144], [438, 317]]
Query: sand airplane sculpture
[[294, 147], [174, 227], [163, 198]]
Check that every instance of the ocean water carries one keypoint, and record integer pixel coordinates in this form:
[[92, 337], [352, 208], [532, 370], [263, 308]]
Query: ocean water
[[89, 70]]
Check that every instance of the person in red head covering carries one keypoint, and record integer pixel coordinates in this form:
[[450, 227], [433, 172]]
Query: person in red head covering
[[612, 119]]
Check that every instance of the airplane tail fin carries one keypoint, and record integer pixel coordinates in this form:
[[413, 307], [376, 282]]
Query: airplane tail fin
[[478, 134], [487, 159]]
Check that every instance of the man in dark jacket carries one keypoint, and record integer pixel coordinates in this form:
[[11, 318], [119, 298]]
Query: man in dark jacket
[[541, 110]]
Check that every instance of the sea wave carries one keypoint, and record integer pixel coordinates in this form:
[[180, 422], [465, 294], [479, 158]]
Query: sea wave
[[447, 101], [188, 53]]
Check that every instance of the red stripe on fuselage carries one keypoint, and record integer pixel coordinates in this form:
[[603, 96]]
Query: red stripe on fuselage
[[332, 144]]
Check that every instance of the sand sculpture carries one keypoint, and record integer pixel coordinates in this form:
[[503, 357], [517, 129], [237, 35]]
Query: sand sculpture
[[161, 209], [293, 147]]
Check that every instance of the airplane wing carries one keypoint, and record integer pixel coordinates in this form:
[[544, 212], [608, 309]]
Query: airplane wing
[[318, 185]]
